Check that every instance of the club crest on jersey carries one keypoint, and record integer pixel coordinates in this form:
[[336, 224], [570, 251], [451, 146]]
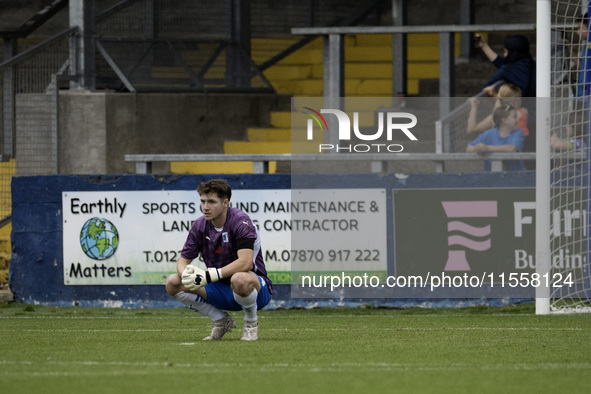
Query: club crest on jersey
[[225, 237]]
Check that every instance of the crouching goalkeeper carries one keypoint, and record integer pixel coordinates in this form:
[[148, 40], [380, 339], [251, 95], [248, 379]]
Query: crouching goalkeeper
[[236, 277]]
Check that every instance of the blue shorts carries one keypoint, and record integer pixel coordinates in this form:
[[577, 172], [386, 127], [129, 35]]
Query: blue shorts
[[221, 296]]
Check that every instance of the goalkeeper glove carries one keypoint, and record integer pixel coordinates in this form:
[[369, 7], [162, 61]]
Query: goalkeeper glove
[[194, 278]]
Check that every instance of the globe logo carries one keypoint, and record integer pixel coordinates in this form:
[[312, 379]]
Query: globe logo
[[99, 238]]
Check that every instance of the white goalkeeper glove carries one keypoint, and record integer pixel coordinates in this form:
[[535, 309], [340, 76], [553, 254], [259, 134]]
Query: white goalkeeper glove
[[194, 278]]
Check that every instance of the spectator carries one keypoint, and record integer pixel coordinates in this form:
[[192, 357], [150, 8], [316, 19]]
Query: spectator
[[508, 94], [574, 141], [516, 66], [505, 137], [583, 58], [582, 34]]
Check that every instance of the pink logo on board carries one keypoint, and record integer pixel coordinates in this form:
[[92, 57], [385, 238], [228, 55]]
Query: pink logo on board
[[456, 257]]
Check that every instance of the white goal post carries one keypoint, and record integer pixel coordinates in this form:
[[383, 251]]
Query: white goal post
[[563, 184], [543, 89]]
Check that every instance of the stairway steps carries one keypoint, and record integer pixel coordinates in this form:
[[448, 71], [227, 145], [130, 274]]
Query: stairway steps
[[269, 134], [280, 119], [290, 72]]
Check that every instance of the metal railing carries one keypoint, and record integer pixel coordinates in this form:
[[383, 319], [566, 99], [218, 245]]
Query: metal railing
[[133, 61], [143, 163], [36, 20], [451, 130]]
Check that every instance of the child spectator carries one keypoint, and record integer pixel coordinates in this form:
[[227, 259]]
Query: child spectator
[[505, 137], [509, 94]]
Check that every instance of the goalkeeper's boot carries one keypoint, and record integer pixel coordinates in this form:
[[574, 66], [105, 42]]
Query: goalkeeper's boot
[[220, 327], [250, 331]]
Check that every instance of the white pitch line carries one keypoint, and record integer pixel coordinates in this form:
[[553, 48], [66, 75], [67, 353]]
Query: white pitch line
[[20, 317], [287, 329], [224, 367], [68, 330]]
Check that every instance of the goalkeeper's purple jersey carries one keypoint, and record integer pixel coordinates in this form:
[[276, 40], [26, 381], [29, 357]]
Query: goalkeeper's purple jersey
[[218, 248]]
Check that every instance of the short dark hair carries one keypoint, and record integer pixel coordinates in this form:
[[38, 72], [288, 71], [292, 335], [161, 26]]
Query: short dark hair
[[501, 113], [217, 186]]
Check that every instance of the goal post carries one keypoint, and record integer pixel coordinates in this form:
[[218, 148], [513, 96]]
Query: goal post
[[563, 158], [543, 92]]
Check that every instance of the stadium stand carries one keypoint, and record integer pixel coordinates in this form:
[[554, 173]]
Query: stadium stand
[[368, 73]]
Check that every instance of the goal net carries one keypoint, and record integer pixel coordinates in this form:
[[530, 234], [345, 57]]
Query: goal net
[[570, 164]]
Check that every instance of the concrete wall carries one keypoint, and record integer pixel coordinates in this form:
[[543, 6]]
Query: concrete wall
[[82, 133], [98, 129]]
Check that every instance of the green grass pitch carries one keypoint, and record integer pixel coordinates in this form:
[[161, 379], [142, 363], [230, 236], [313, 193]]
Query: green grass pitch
[[470, 350]]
